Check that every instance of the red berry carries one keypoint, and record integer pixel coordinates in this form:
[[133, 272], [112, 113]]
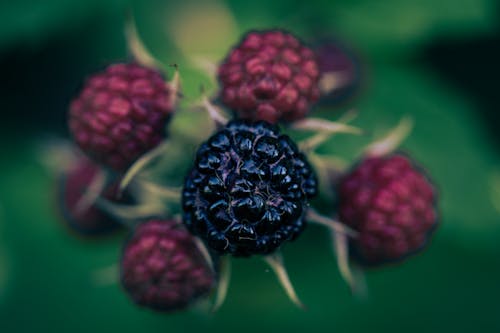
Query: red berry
[[120, 114], [391, 204], [90, 220], [163, 269], [334, 58], [269, 76]]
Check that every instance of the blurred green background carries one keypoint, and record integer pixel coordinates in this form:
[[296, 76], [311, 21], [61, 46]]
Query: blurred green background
[[435, 60]]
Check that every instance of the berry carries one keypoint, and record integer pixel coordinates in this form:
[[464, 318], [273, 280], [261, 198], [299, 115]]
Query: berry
[[248, 190], [334, 58], [269, 76], [120, 114], [163, 269], [391, 204], [90, 220]]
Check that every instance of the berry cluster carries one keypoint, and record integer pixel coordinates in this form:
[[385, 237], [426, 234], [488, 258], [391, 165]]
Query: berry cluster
[[248, 190]]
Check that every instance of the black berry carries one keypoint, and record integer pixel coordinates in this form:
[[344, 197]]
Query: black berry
[[248, 190]]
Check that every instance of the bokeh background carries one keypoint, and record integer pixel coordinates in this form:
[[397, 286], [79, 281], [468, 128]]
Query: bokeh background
[[434, 60]]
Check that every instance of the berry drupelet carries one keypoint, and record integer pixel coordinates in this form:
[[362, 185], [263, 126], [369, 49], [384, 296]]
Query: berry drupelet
[[248, 190], [120, 114], [163, 269], [391, 204], [271, 76]]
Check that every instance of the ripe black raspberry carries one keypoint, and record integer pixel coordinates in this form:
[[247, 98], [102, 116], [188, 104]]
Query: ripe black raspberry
[[391, 204], [90, 220], [269, 76], [248, 191], [163, 269], [120, 114]]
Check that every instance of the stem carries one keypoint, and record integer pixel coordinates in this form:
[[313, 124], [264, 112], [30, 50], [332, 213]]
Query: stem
[[353, 276], [57, 155], [136, 47], [325, 129], [130, 213], [348, 116], [206, 254], [314, 142], [392, 140], [140, 164], [275, 262], [341, 250], [331, 81], [92, 192], [336, 226], [172, 194], [328, 163], [175, 86], [214, 112], [223, 285], [323, 125], [328, 170]]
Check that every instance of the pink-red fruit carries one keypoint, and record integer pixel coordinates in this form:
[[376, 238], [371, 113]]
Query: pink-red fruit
[[391, 204], [271, 76], [120, 114], [162, 267], [342, 65], [86, 220]]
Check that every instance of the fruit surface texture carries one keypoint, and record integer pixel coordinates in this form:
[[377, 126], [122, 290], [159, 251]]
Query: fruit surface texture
[[392, 204], [269, 76], [120, 114], [248, 190], [162, 267]]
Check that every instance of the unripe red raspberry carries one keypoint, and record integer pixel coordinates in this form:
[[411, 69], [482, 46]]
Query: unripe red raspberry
[[120, 114], [343, 67], [90, 220], [162, 267], [391, 204], [271, 76]]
